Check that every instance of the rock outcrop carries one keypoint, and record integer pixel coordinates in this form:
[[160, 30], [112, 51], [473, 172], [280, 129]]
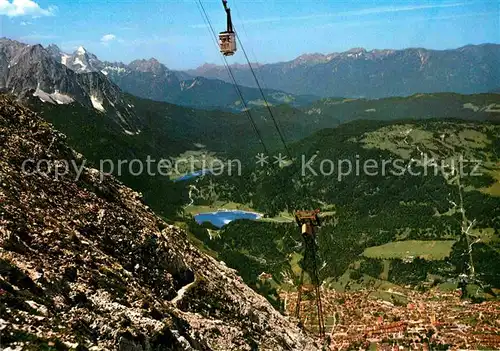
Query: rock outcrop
[[85, 265]]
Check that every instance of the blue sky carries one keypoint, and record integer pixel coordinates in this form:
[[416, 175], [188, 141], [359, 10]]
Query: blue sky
[[173, 31]]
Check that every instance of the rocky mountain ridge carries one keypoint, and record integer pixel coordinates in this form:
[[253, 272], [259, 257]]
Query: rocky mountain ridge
[[376, 73], [84, 264], [28, 71], [150, 79]]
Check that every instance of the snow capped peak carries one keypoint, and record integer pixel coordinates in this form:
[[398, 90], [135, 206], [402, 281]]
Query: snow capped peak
[[64, 59], [81, 61]]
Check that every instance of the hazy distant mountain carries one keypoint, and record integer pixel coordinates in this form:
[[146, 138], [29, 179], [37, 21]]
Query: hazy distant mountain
[[377, 73], [183, 75], [144, 78], [215, 93], [151, 79]]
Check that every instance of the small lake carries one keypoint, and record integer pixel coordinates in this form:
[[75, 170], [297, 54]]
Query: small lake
[[221, 218], [193, 175]]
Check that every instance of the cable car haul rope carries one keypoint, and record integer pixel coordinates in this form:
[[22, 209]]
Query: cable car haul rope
[[307, 220], [227, 47], [230, 71]]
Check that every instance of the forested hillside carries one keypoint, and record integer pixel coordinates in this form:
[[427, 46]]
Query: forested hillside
[[435, 213]]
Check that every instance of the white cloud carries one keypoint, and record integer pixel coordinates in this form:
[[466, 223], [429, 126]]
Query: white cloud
[[108, 38], [16, 8]]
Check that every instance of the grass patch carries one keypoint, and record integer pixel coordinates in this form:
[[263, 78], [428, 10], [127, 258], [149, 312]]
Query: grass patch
[[487, 235], [216, 206], [493, 189], [447, 286], [395, 298], [294, 263], [428, 250]]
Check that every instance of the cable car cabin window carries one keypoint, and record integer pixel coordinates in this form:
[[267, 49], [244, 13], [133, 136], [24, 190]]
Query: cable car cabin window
[[227, 42]]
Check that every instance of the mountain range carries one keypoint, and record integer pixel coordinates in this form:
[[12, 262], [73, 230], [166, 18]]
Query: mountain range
[[376, 73], [55, 78], [84, 264], [151, 79], [357, 73]]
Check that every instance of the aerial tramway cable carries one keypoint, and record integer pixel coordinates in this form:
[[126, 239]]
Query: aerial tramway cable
[[264, 98], [251, 51], [228, 67], [297, 167], [276, 125], [233, 79], [311, 223]]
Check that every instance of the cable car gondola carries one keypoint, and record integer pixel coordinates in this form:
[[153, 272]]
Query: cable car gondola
[[227, 39]]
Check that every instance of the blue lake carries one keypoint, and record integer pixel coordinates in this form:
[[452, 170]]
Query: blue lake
[[193, 175], [221, 218]]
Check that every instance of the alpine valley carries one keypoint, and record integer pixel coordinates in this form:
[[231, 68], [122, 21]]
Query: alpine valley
[[106, 259]]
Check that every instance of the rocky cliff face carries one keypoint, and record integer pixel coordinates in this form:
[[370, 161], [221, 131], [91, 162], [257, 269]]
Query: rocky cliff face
[[85, 264], [31, 71]]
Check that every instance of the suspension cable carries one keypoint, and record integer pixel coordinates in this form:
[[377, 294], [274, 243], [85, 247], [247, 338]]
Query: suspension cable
[[231, 74], [247, 110], [264, 98], [251, 51]]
